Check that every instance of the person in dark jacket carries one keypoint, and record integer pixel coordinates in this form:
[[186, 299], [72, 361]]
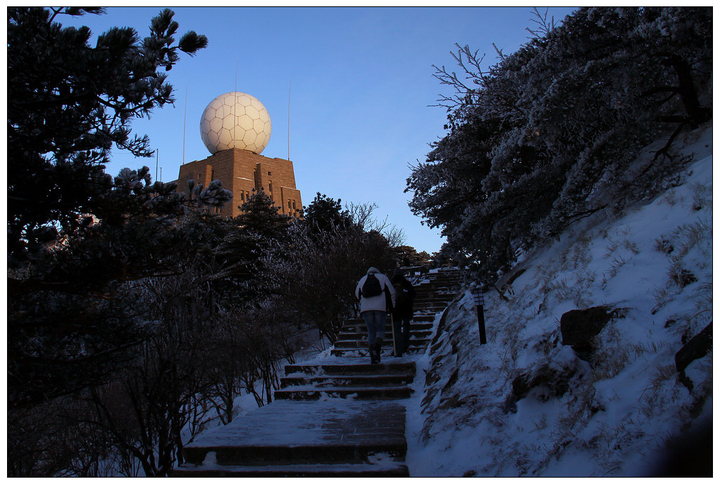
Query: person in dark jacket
[[402, 312]]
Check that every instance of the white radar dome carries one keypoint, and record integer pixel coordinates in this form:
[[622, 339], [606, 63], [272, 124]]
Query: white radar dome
[[235, 120]]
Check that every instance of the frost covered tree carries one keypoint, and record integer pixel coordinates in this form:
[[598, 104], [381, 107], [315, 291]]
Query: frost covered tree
[[548, 134]]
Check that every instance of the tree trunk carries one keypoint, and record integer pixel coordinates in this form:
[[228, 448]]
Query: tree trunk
[[687, 91]]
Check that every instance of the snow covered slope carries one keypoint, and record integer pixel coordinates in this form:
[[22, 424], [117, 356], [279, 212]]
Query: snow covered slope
[[525, 404]]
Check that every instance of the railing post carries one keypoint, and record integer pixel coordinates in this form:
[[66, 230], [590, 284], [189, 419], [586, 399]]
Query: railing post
[[479, 299]]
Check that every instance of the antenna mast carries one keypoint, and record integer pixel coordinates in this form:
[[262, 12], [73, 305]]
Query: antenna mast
[[237, 61], [289, 91]]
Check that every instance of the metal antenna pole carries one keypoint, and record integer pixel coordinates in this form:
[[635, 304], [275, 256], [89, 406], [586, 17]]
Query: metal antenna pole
[[289, 92], [237, 61]]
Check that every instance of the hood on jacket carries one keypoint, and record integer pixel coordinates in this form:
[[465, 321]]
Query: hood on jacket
[[372, 270]]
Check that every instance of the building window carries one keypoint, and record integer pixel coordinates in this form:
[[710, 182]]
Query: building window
[[293, 204], [270, 186], [269, 173]]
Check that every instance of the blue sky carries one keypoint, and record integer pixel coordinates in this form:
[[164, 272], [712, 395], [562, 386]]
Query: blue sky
[[355, 83]]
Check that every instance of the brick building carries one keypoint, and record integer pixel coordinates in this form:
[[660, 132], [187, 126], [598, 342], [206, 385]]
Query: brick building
[[244, 172]]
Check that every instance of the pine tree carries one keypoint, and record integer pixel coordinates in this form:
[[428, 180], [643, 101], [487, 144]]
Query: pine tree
[[69, 103], [260, 215], [77, 237], [324, 214]]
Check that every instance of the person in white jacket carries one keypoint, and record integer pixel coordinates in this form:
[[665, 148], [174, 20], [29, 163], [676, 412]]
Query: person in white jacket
[[375, 303]]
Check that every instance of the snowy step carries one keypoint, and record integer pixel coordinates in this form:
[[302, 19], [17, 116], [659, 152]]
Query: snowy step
[[348, 380], [382, 469], [291, 433], [420, 317], [418, 329], [387, 342], [415, 327], [430, 307], [436, 286], [419, 321], [363, 335], [363, 352], [311, 392], [434, 296], [353, 322], [387, 368]]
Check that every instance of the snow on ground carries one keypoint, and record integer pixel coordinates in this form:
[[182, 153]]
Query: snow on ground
[[612, 416]]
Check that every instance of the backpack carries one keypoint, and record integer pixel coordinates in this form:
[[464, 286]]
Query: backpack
[[402, 295], [372, 287]]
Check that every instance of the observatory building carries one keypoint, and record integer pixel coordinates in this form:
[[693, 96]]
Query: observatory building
[[235, 128]]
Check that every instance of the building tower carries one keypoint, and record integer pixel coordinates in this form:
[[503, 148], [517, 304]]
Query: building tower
[[235, 128]]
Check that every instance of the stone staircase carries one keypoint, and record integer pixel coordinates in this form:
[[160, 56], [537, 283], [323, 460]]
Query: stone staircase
[[352, 340], [340, 416]]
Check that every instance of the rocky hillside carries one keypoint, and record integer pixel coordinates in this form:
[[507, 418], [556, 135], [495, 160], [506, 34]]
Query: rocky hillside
[[597, 358]]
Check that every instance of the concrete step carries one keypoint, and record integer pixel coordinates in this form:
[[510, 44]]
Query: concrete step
[[386, 368], [347, 380], [422, 317], [443, 293], [388, 469], [415, 326], [427, 306], [291, 433], [363, 352], [387, 343], [430, 306], [362, 335], [415, 329], [431, 302], [310, 392], [437, 284]]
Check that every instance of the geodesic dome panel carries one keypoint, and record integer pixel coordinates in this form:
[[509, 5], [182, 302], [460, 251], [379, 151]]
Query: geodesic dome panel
[[235, 120]]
